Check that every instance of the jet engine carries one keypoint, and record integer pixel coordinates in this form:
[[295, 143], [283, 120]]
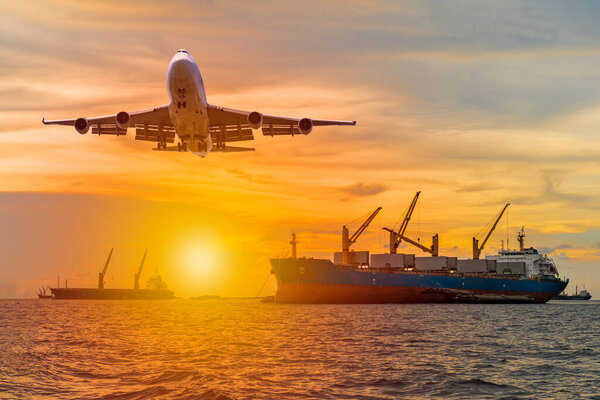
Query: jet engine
[[82, 125], [123, 120], [305, 126], [255, 119]]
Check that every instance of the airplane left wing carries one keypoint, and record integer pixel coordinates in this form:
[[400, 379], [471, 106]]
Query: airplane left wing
[[152, 124], [228, 119]]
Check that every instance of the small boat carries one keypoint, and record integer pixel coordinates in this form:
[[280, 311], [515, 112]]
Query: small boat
[[43, 293], [578, 295]]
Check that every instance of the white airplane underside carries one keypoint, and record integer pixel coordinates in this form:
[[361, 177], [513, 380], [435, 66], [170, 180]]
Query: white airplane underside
[[188, 122]]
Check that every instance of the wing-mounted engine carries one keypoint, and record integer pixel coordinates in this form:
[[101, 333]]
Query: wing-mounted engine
[[255, 120], [123, 119], [82, 125], [305, 126]]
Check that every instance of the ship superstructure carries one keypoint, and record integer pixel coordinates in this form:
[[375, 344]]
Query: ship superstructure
[[524, 261]]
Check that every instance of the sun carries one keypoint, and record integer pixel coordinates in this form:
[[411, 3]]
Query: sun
[[201, 261]]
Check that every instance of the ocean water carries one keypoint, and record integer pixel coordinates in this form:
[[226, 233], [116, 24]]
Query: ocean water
[[235, 349]]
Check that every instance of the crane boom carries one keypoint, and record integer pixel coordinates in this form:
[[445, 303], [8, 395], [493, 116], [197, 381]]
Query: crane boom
[[433, 250], [103, 273], [476, 247], [136, 284], [348, 240], [408, 215], [397, 237]]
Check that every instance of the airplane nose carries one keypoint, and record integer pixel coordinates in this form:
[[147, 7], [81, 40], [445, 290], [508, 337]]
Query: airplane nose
[[179, 64]]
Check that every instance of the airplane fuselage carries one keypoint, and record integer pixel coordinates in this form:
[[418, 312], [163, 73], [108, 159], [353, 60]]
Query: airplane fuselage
[[188, 105]]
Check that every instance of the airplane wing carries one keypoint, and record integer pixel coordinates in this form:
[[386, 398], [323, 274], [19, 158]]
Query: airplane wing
[[238, 123], [152, 124]]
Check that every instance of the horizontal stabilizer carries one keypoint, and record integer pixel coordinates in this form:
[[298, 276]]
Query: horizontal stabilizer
[[224, 149], [231, 149]]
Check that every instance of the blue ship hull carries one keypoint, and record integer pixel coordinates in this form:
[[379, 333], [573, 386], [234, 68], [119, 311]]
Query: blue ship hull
[[308, 280]]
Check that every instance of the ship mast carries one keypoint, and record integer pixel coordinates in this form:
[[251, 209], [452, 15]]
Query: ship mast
[[294, 242], [136, 283], [521, 238], [103, 273], [476, 247], [397, 237], [348, 240]]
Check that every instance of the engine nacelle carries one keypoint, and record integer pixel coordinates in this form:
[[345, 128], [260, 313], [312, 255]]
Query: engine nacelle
[[255, 119], [123, 119], [305, 126], [82, 125]]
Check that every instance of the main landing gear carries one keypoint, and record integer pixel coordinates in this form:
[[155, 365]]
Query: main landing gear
[[182, 146]]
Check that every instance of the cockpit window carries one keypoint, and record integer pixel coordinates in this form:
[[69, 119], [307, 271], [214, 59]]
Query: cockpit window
[[182, 51]]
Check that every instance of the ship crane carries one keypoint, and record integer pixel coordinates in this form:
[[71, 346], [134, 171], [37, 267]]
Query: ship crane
[[397, 237], [478, 248], [102, 274], [136, 284], [348, 240]]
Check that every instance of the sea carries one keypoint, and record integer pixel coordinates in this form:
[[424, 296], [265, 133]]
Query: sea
[[244, 349]]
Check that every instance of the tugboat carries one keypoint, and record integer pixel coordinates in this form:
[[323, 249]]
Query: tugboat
[[583, 295], [44, 294]]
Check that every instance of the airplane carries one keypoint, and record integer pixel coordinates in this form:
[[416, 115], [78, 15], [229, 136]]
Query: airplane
[[200, 127]]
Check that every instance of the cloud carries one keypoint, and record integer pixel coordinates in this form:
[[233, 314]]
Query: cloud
[[365, 189]]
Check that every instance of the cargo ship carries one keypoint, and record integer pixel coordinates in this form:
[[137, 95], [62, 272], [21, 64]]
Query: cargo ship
[[517, 276], [578, 295], [156, 288]]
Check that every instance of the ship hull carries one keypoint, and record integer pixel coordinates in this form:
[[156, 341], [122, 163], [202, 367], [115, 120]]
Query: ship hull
[[110, 294], [305, 280]]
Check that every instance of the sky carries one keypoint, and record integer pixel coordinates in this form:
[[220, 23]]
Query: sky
[[475, 104]]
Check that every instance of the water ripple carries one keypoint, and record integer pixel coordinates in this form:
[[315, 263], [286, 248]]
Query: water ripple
[[246, 350]]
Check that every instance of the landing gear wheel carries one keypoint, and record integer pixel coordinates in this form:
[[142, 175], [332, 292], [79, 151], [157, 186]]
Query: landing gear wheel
[[184, 146], [178, 146]]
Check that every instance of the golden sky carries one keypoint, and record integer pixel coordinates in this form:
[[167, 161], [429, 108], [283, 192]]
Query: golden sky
[[474, 104]]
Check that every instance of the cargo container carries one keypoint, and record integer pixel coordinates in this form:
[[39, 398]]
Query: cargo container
[[475, 266], [435, 263], [398, 260], [354, 257]]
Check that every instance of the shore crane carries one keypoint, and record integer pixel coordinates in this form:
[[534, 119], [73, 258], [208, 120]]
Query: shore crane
[[397, 237], [478, 248], [102, 274], [136, 283], [348, 240]]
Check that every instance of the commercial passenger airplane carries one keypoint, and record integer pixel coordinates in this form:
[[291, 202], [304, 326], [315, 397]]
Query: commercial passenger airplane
[[201, 127]]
